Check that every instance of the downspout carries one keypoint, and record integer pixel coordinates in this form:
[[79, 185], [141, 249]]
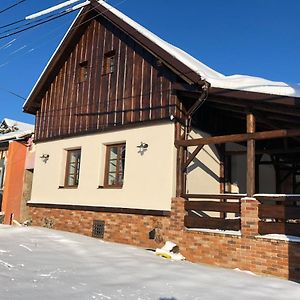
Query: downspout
[[187, 127], [200, 101]]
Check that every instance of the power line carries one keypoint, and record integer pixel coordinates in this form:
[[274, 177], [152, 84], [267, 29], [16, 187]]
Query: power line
[[30, 22], [11, 6], [55, 30], [13, 23], [12, 93], [21, 97], [35, 25]]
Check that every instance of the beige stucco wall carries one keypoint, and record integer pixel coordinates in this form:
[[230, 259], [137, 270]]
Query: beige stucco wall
[[149, 180], [204, 171]]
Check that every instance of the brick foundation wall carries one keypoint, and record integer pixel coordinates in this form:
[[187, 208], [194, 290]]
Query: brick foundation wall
[[245, 251], [122, 228]]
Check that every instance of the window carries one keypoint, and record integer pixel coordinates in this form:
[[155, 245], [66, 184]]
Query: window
[[72, 168], [83, 71], [114, 169], [109, 62]]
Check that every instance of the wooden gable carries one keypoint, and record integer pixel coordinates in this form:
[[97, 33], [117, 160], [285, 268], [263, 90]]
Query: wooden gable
[[78, 95]]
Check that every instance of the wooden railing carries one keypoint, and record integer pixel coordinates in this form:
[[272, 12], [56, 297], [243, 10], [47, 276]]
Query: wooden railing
[[198, 218], [279, 214]]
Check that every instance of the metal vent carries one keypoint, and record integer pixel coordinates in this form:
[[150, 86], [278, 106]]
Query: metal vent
[[98, 229]]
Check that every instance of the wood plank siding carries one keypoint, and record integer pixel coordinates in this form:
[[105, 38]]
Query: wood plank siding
[[80, 97]]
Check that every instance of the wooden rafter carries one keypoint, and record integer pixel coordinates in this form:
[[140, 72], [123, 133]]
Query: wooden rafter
[[242, 137]]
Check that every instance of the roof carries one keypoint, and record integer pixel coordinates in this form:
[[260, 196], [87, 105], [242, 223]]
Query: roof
[[14, 130], [186, 64], [216, 79]]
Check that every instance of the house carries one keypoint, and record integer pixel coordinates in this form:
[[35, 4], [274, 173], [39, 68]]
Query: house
[[16, 169], [138, 142]]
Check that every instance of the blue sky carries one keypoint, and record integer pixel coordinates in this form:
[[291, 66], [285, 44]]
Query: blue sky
[[254, 37]]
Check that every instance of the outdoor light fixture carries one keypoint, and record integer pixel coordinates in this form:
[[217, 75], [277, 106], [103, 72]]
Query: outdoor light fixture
[[142, 147], [44, 157]]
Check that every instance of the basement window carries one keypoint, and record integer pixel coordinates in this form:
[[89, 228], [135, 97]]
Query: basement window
[[83, 71], [109, 62], [114, 166]]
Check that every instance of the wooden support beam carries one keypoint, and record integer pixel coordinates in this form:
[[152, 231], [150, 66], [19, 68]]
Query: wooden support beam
[[191, 157], [282, 109], [241, 137], [250, 156], [179, 161], [221, 150], [272, 124], [267, 151]]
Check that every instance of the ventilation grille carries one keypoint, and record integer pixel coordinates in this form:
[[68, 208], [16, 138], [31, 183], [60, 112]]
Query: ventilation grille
[[98, 229]]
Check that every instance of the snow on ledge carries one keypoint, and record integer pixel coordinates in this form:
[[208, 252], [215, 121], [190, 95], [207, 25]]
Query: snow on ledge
[[280, 237], [218, 231], [276, 195]]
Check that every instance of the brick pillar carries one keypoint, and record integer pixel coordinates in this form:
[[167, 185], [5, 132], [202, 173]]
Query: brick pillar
[[177, 214], [249, 216]]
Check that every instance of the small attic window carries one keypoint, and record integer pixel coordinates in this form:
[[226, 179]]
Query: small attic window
[[109, 62], [83, 71]]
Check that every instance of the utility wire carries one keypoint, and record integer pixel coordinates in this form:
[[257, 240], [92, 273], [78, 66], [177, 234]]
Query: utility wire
[[30, 50], [31, 22], [40, 44], [12, 93], [11, 6], [35, 25], [13, 23]]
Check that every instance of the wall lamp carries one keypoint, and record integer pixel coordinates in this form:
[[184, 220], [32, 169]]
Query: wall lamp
[[44, 157], [142, 147]]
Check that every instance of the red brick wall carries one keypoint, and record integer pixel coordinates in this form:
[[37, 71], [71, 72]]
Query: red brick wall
[[122, 228], [246, 251]]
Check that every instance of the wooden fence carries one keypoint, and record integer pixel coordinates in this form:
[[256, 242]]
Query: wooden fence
[[195, 217], [279, 214]]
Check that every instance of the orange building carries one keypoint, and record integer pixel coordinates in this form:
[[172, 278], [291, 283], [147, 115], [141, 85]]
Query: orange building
[[16, 169]]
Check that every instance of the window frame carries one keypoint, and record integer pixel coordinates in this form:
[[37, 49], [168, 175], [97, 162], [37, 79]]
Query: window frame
[[109, 64], [119, 158], [82, 71], [77, 169]]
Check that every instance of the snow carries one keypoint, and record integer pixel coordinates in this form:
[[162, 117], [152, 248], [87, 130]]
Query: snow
[[79, 6], [65, 265], [276, 195], [12, 129], [216, 79], [280, 237], [50, 9], [229, 232]]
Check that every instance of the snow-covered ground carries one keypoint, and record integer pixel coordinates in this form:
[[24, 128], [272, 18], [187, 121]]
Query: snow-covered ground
[[38, 263]]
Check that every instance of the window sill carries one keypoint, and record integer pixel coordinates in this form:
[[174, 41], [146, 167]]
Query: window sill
[[67, 187], [110, 187]]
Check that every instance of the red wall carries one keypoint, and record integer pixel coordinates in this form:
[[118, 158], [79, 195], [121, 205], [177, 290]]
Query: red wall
[[13, 183]]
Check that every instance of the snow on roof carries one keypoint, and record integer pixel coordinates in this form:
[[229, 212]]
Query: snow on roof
[[14, 130], [216, 79]]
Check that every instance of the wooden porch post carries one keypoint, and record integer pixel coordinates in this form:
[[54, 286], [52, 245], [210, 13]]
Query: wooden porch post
[[221, 149], [250, 156], [180, 178]]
